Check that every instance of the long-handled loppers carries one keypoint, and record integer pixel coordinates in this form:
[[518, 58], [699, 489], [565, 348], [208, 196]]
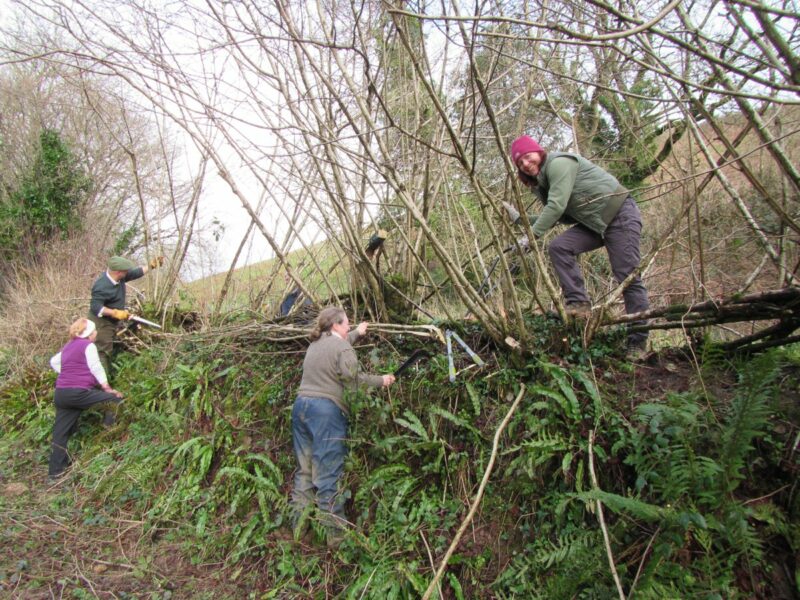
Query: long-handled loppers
[[451, 367]]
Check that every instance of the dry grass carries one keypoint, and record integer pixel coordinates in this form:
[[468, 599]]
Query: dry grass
[[42, 300], [685, 271]]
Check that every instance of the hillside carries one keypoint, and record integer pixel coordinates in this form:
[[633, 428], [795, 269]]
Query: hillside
[[564, 463], [262, 286], [691, 457]]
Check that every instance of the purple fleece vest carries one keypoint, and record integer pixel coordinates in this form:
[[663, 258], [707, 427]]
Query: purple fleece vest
[[75, 371]]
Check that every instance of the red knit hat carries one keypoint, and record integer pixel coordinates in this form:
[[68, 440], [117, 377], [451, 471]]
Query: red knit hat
[[522, 145]]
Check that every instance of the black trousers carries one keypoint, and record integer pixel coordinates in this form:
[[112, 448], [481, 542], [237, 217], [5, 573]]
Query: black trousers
[[70, 402]]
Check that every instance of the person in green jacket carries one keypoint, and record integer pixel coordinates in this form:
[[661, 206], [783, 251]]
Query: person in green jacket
[[320, 418], [603, 213]]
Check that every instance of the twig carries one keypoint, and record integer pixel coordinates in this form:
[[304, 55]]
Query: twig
[[113, 564], [476, 502], [602, 519], [764, 497], [56, 523], [430, 558], [366, 585], [644, 557], [86, 579]]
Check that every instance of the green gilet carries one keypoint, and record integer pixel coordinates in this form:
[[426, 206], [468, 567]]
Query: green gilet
[[594, 201]]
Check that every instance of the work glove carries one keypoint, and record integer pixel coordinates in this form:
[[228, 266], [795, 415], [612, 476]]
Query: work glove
[[120, 314], [156, 262], [524, 242], [513, 213]]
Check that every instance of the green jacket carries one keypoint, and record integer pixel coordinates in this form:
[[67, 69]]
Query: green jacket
[[574, 189]]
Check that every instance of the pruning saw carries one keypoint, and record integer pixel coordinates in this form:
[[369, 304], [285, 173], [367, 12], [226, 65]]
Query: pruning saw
[[144, 321]]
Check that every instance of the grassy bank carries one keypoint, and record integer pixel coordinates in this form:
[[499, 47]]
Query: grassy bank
[[186, 497]]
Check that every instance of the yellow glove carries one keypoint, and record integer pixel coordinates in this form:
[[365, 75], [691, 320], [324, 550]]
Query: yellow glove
[[120, 314], [156, 262]]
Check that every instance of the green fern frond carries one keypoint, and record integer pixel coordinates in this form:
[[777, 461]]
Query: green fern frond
[[412, 423], [747, 418], [561, 401], [567, 546], [381, 478], [592, 390], [561, 376], [456, 420], [474, 399], [537, 451], [625, 505]]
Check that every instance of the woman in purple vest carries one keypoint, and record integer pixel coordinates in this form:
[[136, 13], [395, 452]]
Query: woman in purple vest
[[80, 373]]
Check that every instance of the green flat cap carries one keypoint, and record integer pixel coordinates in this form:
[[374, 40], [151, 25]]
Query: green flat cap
[[120, 263]]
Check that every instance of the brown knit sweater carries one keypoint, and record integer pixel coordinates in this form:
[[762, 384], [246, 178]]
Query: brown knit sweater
[[331, 367]]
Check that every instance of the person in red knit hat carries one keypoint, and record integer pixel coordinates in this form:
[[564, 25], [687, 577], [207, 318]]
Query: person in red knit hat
[[602, 212]]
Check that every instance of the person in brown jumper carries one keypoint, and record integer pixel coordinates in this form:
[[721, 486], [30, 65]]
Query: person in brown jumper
[[320, 418]]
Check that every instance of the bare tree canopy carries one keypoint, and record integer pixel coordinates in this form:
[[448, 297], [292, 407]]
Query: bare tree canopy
[[331, 121]]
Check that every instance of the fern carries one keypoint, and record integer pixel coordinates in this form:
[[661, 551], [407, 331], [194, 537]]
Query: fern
[[436, 410], [474, 399], [380, 479], [747, 418], [458, 591], [593, 392], [412, 423], [666, 453], [777, 522], [570, 564], [195, 454], [625, 505], [536, 452], [566, 547], [569, 400]]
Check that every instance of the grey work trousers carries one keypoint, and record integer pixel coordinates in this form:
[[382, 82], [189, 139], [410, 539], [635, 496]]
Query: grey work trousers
[[621, 239]]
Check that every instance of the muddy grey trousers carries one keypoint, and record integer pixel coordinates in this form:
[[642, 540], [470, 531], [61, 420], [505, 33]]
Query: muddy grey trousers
[[621, 239]]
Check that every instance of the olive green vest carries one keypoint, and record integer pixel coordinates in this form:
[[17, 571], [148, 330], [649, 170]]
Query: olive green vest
[[596, 196]]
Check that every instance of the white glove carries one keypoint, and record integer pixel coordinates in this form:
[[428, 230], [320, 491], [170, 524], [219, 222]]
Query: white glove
[[524, 242], [513, 213]]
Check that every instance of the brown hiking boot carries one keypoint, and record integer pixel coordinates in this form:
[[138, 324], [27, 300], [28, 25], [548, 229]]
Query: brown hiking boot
[[578, 310], [636, 352], [336, 527], [334, 539]]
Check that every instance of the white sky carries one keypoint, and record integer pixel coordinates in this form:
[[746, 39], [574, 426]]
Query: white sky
[[220, 211]]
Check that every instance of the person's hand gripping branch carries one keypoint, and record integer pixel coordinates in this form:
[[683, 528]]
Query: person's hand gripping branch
[[513, 213], [388, 379]]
